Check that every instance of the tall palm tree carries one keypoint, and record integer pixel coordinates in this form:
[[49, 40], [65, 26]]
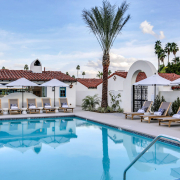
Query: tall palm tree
[[168, 49], [83, 73], [175, 49], [106, 23], [157, 49], [177, 60], [77, 68]]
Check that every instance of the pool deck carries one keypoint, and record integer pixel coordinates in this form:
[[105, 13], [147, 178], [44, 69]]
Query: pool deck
[[113, 119]]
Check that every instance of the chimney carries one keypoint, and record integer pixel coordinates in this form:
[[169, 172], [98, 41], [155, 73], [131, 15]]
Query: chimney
[[44, 68]]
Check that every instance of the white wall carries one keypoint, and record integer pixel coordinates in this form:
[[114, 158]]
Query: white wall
[[70, 95], [115, 87], [82, 91]]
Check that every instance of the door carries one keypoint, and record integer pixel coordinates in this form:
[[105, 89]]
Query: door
[[140, 94]]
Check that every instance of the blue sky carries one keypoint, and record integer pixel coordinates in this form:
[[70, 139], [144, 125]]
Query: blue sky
[[54, 32]]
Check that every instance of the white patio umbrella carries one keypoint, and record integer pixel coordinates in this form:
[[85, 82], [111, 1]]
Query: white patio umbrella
[[154, 80], [54, 83], [21, 82], [177, 81]]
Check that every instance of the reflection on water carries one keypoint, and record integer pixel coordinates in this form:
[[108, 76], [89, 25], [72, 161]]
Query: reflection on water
[[26, 135], [32, 134]]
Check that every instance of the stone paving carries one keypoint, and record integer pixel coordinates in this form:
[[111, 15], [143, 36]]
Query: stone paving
[[113, 119]]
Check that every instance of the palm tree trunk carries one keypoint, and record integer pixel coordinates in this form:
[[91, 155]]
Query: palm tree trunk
[[168, 58], [105, 63], [158, 64]]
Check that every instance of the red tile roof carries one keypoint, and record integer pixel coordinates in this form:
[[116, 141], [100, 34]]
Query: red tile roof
[[90, 83], [6, 74], [121, 74], [168, 76]]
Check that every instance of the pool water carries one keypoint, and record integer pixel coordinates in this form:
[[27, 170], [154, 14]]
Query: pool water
[[70, 148]]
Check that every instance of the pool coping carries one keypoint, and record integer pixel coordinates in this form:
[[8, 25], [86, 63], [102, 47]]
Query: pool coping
[[171, 142]]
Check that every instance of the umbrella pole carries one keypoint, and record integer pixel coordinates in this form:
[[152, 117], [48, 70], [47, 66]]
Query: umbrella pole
[[154, 92], [54, 96], [22, 98]]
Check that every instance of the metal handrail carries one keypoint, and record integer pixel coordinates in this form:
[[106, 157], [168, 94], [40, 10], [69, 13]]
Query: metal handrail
[[153, 142]]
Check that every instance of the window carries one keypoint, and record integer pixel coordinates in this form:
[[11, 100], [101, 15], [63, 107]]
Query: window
[[62, 92], [37, 63]]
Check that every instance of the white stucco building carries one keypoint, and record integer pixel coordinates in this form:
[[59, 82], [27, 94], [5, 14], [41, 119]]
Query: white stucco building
[[132, 97], [38, 75]]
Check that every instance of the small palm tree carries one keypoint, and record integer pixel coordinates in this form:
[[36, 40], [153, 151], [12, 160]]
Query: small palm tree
[[83, 73], [26, 67], [106, 23], [67, 73], [90, 102], [77, 68], [168, 49], [109, 72], [3, 67], [162, 55], [158, 49], [177, 60], [175, 49], [100, 75], [73, 76]]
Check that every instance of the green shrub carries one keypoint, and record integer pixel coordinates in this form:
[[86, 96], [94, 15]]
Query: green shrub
[[120, 110], [90, 102], [109, 109], [115, 100], [175, 106], [157, 103]]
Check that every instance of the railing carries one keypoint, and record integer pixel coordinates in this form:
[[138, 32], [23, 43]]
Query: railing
[[153, 142]]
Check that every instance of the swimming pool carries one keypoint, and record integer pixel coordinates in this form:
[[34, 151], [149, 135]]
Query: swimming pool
[[70, 148]]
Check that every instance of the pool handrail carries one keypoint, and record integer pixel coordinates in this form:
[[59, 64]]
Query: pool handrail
[[144, 151]]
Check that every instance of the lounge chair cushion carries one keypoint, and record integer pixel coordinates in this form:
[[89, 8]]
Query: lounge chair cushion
[[14, 108], [157, 113], [32, 107], [176, 116], [64, 105], [48, 107], [140, 111], [161, 111]]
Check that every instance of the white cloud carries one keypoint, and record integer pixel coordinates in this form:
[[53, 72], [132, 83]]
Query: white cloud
[[147, 28]]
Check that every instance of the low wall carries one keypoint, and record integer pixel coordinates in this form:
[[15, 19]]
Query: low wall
[[170, 96]]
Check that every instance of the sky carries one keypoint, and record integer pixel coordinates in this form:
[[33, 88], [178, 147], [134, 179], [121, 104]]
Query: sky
[[55, 33]]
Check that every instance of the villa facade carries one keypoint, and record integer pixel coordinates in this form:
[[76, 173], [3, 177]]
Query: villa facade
[[37, 75], [132, 97]]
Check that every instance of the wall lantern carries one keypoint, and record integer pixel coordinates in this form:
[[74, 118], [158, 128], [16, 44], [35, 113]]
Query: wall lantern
[[70, 86], [53, 88], [114, 78]]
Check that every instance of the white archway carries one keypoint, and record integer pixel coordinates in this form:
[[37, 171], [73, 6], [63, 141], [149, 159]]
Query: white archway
[[148, 68]]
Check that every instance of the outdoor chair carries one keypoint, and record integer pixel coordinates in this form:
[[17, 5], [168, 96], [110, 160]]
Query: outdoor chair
[[164, 105], [146, 104], [32, 106], [1, 111], [46, 104], [13, 105], [63, 104], [169, 120]]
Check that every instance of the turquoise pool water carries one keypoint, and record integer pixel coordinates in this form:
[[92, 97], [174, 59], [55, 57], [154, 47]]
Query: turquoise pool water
[[75, 149]]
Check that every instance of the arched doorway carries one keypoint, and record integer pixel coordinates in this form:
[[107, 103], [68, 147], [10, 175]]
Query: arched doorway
[[128, 94]]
